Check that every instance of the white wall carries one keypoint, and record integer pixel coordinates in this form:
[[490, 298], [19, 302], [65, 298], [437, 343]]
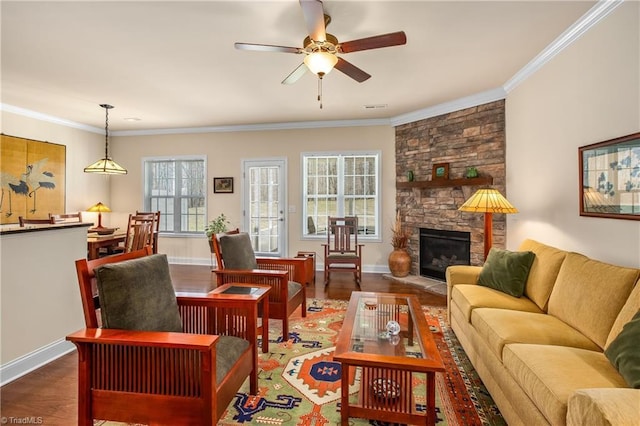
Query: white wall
[[225, 151], [589, 93]]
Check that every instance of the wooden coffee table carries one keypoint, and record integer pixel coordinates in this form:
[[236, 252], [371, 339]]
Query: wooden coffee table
[[387, 362]]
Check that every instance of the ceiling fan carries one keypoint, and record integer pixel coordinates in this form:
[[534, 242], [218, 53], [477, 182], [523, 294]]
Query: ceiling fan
[[322, 49]]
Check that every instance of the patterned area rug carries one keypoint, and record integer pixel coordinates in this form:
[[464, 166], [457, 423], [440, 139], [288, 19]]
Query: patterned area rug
[[299, 383]]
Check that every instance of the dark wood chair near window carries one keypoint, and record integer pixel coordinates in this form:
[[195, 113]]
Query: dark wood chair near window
[[149, 357], [23, 221], [139, 234], [287, 277], [342, 253], [156, 228]]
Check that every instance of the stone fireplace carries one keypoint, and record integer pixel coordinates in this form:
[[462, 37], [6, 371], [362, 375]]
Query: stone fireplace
[[472, 137]]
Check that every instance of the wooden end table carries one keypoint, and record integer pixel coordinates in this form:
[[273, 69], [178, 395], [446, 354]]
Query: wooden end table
[[386, 361], [243, 296]]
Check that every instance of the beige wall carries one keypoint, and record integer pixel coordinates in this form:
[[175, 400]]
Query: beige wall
[[225, 152], [587, 94]]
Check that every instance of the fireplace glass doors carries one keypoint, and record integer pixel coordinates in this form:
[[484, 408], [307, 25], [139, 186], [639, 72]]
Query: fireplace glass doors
[[440, 249]]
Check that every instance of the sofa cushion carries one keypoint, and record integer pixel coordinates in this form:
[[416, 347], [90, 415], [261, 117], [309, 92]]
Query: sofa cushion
[[603, 407], [237, 251], [624, 352], [550, 374], [137, 294], [506, 271], [585, 286], [470, 296], [543, 273], [631, 306], [499, 327]]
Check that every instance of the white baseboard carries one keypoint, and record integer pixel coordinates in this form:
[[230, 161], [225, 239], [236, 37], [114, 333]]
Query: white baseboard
[[34, 360]]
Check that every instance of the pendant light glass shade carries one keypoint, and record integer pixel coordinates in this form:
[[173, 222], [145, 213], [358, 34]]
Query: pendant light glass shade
[[106, 166]]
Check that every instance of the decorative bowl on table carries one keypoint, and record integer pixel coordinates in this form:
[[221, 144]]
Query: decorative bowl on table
[[103, 231], [385, 389]]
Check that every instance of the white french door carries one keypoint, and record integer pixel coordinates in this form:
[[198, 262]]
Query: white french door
[[264, 201]]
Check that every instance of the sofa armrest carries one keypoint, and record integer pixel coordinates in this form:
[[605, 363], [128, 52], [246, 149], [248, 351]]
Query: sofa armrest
[[604, 406], [459, 274]]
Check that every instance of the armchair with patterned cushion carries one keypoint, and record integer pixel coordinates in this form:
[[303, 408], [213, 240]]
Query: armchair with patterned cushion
[[149, 357], [287, 277]]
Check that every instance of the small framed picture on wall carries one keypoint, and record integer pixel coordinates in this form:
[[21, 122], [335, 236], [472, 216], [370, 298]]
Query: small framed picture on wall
[[440, 171], [223, 185]]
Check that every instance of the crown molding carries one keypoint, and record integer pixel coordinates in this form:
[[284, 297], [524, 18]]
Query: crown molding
[[257, 127], [447, 107], [571, 34], [48, 118]]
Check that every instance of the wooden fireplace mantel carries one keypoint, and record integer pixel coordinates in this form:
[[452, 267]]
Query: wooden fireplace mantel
[[445, 183]]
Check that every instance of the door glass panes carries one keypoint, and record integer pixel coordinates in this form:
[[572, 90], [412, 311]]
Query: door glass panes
[[265, 211]]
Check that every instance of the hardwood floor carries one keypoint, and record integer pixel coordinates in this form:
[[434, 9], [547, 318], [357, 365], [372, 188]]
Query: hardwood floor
[[48, 395]]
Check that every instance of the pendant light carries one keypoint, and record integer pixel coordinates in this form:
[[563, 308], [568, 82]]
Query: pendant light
[[106, 166]]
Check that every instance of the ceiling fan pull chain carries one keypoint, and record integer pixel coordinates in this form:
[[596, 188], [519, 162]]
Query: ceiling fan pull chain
[[320, 91]]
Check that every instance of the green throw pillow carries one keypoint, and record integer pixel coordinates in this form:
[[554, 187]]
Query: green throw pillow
[[237, 252], [138, 294], [624, 352], [506, 271]]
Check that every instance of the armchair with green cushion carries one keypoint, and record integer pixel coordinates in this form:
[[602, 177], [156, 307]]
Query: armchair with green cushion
[[287, 277], [150, 357]]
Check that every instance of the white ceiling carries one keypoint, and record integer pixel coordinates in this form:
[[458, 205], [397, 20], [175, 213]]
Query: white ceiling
[[173, 64]]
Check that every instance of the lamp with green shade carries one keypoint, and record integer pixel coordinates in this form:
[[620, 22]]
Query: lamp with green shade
[[487, 201]]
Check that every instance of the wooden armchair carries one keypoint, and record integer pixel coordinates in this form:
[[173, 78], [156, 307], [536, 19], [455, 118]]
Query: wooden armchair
[[342, 251], [184, 376], [287, 277], [140, 233]]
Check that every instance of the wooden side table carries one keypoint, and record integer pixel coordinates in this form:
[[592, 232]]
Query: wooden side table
[[311, 271]]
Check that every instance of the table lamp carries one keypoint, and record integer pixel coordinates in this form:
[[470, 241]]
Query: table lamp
[[487, 201], [100, 208]]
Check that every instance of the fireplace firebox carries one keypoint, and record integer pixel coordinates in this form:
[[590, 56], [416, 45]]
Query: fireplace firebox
[[440, 249]]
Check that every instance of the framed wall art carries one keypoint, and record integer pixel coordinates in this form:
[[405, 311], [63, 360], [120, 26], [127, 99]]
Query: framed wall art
[[440, 171], [610, 178], [32, 175], [223, 185]]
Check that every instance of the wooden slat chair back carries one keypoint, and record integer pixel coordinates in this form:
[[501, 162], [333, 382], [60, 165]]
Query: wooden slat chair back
[[23, 221], [342, 252], [156, 229], [139, 232], [287, 277], [171, 378], [66, 218]]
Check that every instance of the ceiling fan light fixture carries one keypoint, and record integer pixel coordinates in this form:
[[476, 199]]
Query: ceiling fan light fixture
[[320, 63]]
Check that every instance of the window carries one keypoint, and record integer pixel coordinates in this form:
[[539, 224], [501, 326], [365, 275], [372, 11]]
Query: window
[[341, 185], [177, 187]]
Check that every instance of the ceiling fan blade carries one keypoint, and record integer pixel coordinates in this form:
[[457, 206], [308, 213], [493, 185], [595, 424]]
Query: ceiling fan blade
[[295, 74], [351, 70], [267, 48], [314, 18], [375, 42]]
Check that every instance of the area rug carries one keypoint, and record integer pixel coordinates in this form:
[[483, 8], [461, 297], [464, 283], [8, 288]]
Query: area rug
[[299, 383]]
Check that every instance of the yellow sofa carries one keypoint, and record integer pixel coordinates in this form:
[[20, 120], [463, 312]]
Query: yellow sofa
[[541, 355]]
